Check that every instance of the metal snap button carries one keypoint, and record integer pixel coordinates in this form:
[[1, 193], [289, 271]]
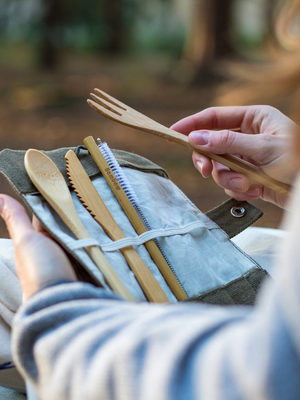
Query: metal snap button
[[238, 211]]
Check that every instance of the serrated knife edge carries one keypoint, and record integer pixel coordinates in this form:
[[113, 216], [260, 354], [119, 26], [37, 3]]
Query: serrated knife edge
[[91, 199]]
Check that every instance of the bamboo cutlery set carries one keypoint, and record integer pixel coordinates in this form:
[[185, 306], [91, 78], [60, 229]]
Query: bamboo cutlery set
[[51, 184]]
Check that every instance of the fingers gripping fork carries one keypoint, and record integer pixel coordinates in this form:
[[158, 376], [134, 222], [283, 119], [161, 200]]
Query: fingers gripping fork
[[120, 112]]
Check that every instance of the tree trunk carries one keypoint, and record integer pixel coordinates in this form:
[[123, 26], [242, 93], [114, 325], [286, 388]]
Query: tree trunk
[[222, 28], [114, 19], [270, 8], [209, 37], [48, 53]]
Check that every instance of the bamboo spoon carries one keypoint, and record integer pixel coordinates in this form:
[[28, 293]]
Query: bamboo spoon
[[47, 178], [92, 201], [117, 111]]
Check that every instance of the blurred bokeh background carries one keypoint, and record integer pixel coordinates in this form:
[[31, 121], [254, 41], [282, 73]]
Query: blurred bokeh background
[[166, 58]]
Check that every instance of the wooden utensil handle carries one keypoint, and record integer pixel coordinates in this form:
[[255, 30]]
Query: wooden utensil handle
[[109, 273], [136, 222], [148, 283], [144, 276], [236, 164], [93, 202]]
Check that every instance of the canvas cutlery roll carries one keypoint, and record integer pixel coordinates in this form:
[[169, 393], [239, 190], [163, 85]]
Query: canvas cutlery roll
[[208, 265]]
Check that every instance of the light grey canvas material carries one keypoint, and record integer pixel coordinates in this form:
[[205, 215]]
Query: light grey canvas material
[[203, 259]]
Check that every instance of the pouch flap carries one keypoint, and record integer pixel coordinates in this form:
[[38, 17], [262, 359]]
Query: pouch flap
[[12, 165], [234, 216]]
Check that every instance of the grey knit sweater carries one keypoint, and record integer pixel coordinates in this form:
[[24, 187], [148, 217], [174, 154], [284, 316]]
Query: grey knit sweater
[[74, 341]]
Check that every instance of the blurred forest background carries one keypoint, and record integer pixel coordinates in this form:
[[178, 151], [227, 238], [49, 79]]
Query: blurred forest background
[[166, 58]]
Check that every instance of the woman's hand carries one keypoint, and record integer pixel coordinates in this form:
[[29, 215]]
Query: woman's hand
[[39, 260], [261, 135]]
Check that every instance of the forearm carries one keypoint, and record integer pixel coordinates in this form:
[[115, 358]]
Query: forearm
[[85, 346]]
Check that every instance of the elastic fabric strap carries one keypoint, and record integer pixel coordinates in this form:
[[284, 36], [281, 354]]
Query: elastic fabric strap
[[137, 240], [80, 243]]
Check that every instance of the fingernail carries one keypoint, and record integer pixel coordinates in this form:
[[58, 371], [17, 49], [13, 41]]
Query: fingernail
[[200, 138], [254, 192], [199, 166], [1, 205], [236, 183]]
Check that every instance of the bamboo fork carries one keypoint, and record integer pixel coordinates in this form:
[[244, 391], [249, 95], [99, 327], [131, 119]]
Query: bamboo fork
[[134, 218], [93, 202], [47, 178], [117, 111]]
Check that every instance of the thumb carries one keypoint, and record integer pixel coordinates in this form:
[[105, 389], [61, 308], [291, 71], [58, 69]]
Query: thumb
[[39, 260], [231, 142], [15, 217]]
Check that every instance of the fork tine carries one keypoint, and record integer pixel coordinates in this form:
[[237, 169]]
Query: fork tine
[[106, 104], [111, 99], [104, 111]]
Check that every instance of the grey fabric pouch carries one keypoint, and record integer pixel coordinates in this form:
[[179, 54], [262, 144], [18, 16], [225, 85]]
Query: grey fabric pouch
[[210, 267]]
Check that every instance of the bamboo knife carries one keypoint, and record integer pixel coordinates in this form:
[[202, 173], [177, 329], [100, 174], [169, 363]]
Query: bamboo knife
[[93, 202]]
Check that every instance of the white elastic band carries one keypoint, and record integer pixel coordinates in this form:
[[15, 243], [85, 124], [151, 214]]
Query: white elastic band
[[80, 243], [136, 240], [155, 233]]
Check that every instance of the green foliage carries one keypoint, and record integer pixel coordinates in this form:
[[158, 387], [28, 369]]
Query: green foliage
[[89, 24], [129, 25]]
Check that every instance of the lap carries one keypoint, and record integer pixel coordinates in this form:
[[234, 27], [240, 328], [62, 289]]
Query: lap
[[261, 244], [10, 300]]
